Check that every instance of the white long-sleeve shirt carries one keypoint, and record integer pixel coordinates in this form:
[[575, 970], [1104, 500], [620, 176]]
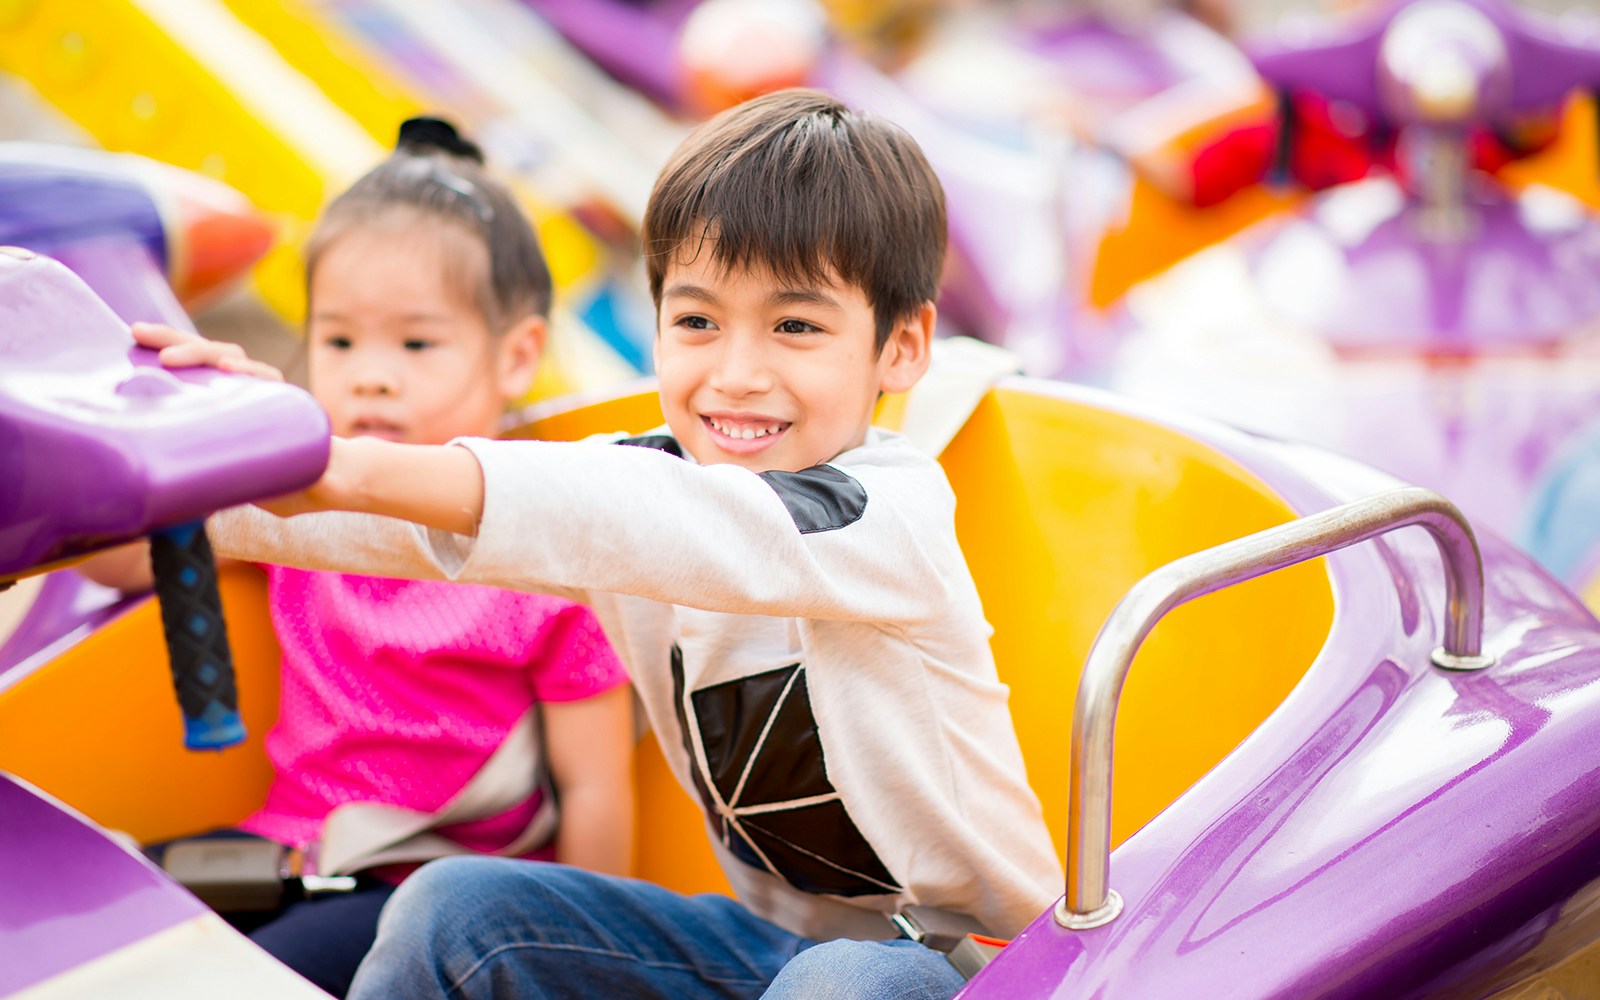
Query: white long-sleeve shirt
[[809, 647]]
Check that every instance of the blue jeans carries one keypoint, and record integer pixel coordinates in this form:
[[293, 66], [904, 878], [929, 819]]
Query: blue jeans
[[487, 927]]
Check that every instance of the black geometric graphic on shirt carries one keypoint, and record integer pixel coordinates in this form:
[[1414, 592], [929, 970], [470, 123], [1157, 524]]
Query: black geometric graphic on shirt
[[660, 442], [766, 789], [820, 498]]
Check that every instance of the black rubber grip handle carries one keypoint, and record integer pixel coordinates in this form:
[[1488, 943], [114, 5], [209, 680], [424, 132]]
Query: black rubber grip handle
[[197, 637]]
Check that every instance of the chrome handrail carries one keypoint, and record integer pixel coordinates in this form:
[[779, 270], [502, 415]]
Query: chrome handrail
[[1089, 901]]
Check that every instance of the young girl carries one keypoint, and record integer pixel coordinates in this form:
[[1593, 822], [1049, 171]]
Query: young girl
[[427, 295]]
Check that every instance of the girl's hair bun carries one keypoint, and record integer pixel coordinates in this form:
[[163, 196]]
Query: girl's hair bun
[[425, 134]]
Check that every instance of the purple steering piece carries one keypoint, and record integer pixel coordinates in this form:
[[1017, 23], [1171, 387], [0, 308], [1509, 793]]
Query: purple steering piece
[[103, 445]]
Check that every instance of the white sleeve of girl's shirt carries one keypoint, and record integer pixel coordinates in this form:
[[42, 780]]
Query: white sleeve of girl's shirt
[[336, 540], [874, 542]]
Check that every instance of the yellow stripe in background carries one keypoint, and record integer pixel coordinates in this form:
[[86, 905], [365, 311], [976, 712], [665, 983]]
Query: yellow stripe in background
[[271, 100]]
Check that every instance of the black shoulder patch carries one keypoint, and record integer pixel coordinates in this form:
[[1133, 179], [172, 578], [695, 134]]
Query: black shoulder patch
[[660, 442], [820, 498]]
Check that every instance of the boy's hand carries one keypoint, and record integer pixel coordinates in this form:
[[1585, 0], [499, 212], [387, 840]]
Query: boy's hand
[[182, 349], [327, 493]]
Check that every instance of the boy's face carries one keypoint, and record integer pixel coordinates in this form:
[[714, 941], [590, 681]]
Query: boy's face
[[771, 376]]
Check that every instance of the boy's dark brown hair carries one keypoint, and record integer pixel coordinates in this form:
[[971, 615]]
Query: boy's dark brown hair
[[799, 184], [435, 174]]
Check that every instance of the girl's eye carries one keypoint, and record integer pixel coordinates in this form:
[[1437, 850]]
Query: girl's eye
[[796, 326], [415, 344], [337, 343]]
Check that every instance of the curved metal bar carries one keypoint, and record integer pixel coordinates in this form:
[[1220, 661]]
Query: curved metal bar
[[1089, 901]]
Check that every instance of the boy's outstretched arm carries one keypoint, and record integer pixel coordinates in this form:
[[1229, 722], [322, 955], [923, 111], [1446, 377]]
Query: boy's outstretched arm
[[437, 486]]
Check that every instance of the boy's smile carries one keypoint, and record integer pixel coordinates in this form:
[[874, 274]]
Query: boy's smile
[[744, 433], [759, 372]]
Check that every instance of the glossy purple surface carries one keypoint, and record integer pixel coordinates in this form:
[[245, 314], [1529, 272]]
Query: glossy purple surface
[[67, 606], [127, 278], [69, 895], [1387, 824], [106, 445], [1342, 64]]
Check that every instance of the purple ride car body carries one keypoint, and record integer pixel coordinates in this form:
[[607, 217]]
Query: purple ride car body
[[1392, 830]]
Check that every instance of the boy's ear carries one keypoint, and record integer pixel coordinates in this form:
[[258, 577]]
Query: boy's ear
[[517, 360], [906, 352]]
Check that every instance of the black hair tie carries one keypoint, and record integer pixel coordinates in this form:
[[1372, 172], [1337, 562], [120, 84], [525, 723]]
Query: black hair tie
[[423, 134]]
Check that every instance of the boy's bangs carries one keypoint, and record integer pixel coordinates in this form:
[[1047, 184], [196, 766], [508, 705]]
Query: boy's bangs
[[802, 188], [788, 216]]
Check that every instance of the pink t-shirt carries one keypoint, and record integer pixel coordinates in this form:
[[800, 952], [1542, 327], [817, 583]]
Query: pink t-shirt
[[398, 691]]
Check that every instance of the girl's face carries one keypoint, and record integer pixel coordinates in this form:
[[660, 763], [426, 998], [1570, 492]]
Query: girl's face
[[397, 351]]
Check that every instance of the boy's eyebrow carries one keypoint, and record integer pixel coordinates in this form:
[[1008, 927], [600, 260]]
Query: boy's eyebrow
[[681, 290], [782, 297], [803, 297]]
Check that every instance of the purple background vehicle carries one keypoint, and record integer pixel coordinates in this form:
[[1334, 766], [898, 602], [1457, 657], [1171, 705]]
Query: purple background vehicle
[[1437, 323]]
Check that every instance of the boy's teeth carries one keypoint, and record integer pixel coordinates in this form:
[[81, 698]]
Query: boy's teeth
[[744, 433]]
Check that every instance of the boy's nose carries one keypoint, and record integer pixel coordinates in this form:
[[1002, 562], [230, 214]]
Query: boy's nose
[[741, 370]]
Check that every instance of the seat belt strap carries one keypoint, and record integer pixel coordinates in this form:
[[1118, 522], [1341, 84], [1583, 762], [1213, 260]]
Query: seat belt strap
[[361, 835]]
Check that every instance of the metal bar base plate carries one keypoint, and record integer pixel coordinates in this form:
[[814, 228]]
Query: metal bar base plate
[[1102, 914]]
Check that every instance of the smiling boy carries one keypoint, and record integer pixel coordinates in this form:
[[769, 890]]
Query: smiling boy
[[782, 580]]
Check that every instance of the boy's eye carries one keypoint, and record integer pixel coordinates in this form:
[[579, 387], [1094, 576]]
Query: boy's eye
[[797, 326], [337, 343], [695, 322], [417, 344]]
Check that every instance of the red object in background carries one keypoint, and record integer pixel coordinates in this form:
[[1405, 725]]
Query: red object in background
[[214, 234], [1332, 143], [1328, 145], [1236, 160]]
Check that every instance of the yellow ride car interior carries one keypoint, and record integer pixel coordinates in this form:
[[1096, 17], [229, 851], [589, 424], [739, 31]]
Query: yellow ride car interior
[[1062, 506]]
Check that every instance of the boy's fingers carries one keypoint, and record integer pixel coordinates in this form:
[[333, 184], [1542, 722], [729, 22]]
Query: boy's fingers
[[182, 349], [248, 366], [190, 353], [157, 335]]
